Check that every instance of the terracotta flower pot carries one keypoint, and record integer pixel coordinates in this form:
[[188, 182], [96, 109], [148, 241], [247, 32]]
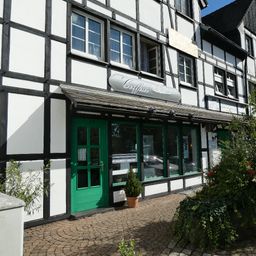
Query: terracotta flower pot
[[132, 202]]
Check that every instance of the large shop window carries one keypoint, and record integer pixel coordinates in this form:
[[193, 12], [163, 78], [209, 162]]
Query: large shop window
[[153, 152], [150, 57], [87, 35], [190, 148], [124, 150], [186, 70], [184, 6], [121, 47]]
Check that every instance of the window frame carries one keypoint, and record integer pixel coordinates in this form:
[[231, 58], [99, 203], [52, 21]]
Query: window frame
[[186, 57], [179, 6], [86, 39], [121, 30], [249, 46]]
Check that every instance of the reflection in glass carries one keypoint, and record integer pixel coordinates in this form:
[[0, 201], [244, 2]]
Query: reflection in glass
[[82, 178], [173, 150], [94, 136], [81, 136], [95, 156], [124, 150], [190, 150], [95, 177], [81, 156], [153, 152]]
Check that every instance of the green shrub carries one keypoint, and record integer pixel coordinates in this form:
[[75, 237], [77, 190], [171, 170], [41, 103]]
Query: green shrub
[[133, 186], [127, 248]]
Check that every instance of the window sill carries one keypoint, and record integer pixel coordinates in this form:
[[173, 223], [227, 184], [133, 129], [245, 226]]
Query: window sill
[[150, 75], [188, 86], [123, 67]]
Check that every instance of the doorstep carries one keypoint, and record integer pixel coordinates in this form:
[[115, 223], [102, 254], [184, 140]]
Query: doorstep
[[75, 216]]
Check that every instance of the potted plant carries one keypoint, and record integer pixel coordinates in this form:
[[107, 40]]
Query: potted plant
[[132, 189]]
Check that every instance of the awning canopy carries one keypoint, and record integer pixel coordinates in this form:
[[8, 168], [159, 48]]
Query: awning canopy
[[102, 101]]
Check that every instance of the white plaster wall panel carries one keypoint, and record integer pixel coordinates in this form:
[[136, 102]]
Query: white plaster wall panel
[[150, 13], [119, 196], [167, 20], [185, 27], [242, 100], [231, 69], [218, 53], [170, 82], [211, 60], [241, 110], [113, 72], [209, 91], [251, 66], [36, 169], [58, 126], [128, 7], [239, 63], [221, 65], [176, 184], [156, 189], [59, 17], [88, 74], [207, 47], [102, 1], [26, 53], [200, 74], [193, 181], [196, 11], [58, 61], [55, 89], [230, 59], [201, 95], [148, 31], [213, 105], [126, 21], [25, 126], [1, 8], [240, 85], [58, 187], [98, 8], [188, 96], [208, 73], [29, 12], [1, 30], [238, 72], [203, 137], [204, 161], [79, 1], [174, 59], [229, 108], [7, 81]]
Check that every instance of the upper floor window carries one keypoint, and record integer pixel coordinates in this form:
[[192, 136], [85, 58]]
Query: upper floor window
[[186, 70], [122, 47], [225, 83], [184, 6], [150, 57], [87, 35], [249, 45]]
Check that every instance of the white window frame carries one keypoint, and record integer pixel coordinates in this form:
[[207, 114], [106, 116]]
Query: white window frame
[[122, 64], [249, 46], [185, 72], [86, 53], [231, 83], [220, 79], [188, 6]]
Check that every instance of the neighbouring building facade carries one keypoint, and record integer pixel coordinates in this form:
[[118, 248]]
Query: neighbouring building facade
[[96, 87]]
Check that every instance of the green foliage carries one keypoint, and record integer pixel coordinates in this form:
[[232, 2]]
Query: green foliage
[[226, 206], [133, 186], [127, 248], [28, 187]]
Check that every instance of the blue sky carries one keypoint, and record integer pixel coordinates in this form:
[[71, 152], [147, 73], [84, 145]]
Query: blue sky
[[213, 5]]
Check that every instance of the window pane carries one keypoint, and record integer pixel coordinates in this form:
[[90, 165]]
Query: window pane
[[115, 34], [95, 156], [78, 20], [94, 38], [153, 152], [115, 46], [95, 177], [82, 178], [127, 50], [95, 134], [173, 150], [81, 136], [95, 50], [78, 32], [78, 44], [124, 150], [190, 150], [127, 60], [115, 56], [94, 26], [82, 156]]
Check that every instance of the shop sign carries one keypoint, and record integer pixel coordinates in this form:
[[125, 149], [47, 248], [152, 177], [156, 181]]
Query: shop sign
[[135, 86]]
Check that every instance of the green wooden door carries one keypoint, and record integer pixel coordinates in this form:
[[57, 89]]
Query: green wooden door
[[89, 181]]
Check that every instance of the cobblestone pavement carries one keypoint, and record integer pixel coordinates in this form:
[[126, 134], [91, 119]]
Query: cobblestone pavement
[[100, 234]]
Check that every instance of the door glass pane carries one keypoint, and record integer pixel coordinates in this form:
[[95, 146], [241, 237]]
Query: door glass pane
[[153, 152], [82, 178], [95, 177], [95, 156], [173, 150], [190, 150], [81, 156], [95, 136], [81, 136], [124, 150]]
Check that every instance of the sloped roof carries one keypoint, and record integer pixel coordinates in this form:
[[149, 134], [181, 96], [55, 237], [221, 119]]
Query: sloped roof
[[229, 17]]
